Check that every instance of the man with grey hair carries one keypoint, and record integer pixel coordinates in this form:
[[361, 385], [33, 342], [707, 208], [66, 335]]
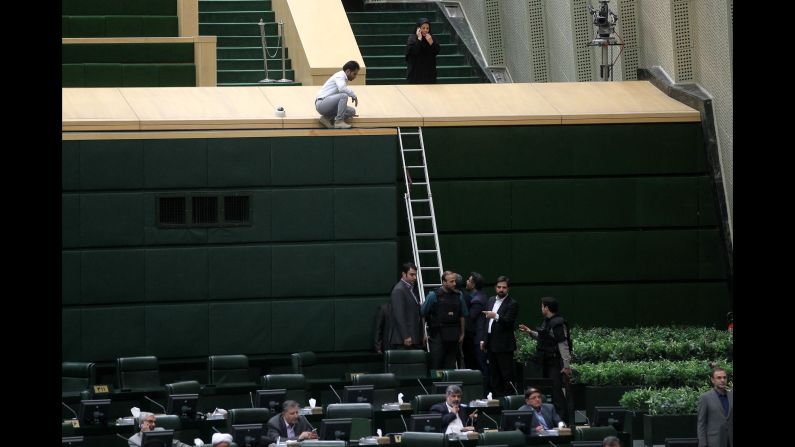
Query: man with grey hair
[[288, 425], [147, 423], [455, 418]]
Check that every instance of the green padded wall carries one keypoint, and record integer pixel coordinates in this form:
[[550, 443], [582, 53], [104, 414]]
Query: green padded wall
[[321, 247], [616, 221]]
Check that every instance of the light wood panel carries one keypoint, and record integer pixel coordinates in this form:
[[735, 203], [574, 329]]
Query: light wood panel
[[465, 104], [201, 108], [188, 17], [164, 135], [606, 102], [96, 109], [379, 106]]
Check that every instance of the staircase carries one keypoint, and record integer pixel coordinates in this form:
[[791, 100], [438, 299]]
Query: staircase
[[239, 46], [382, 31]]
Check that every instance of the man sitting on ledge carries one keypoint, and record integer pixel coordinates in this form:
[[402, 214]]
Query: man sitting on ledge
[[332, 99]]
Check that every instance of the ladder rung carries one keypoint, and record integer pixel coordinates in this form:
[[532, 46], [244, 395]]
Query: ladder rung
[[418, 183], [412, 150], [435, 267], [431, 285], [409, 133], [415, 167], [422, 217], [420, 200], [423, 234], [426, 251]]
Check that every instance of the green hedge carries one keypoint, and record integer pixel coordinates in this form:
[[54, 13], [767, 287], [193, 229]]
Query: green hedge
[[681, 400], [637, 344], [659, 373]]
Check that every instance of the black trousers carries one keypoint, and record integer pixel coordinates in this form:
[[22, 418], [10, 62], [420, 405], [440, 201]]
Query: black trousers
[[443, 353], [563, 402], [501, 371]]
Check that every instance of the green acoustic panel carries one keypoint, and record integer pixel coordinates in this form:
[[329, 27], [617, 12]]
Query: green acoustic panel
[[667, 201], [604, 256], [718, 301], [635, 148], [303, 270], [302, 214], [707, 202], [238, 162], [112, 276], [111, 219], [112, 332], [259, 230], [354, 323], [240, 272], [540, 257], [608, 305], [70, 165], [604, 203], [365, 213], [455, 204], [712, 262], [70, 278], [488, 254], [529, 299], [71, 334], [365, 159], [302, 325], [542, 204], [124, 26], [176, 330], [674, 303], [73, 75], [70, 221], [176, 274], [175, 163], [240, 328], [140, 75], [301, 161], [667, 254], [103, 75], [176, 75], [155, 235], [160, 26], [364, 268], [111, 164]]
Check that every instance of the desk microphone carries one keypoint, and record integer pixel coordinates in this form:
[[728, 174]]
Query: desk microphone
[[215, 429], [423, 386], [404, 422], [587, 421], [496, 425], [70, 409], [154, 402], [514, 387], [129, 442], [310, 425], [335, 393], [553, 444], [251, 398]]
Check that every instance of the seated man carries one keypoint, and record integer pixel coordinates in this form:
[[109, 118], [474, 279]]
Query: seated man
[[148, 424], [544, 415], [454, 417], [289, 425]]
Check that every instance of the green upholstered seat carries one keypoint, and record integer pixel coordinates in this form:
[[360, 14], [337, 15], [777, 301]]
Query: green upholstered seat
[[247, 416], [384, 384], [593, 433], [511, 438], [77, 376], [228, 370], [138, 373], [420, 439], [295, 384], [471, 382], [422, 402], [168, 421], [361, 416], [185, 387], [513, 401], [406, 364]]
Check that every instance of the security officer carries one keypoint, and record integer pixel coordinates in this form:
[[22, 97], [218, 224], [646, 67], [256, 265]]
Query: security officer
[[445, 311]]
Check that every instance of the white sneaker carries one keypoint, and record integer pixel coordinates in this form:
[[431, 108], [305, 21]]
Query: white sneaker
[[341, 124], [326, 122]]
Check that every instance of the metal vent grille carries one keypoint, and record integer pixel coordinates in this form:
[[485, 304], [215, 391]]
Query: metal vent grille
[[583, 34], [683, 40], [538, 42], [236, 210], [171, 211], [628, 30], [494, 30], [205, 210]]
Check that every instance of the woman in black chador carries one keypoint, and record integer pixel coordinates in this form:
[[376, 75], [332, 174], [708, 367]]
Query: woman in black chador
[[421, 51]]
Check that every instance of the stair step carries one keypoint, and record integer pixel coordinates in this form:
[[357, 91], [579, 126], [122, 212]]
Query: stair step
[[232, 16], [393, 50], [442, 71], [391, 60], [407, 17], [366, 39], [245, 53], [235, 29], [394, 28], [227, 76], [252, 64], [234, 5], [249, 41]]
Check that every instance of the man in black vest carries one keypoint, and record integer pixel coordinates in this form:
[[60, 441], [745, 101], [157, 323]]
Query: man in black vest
[[445, 311], [554, 352], [497, 337]]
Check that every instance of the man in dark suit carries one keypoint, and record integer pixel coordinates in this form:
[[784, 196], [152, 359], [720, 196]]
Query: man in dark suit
[[544, 415], [288, 425], [474, 357], [406, 325], [716, 413], [455, 419], [497, 336]]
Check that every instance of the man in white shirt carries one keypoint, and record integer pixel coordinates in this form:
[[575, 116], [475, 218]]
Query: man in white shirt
[[331, 101], [454, 417]]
